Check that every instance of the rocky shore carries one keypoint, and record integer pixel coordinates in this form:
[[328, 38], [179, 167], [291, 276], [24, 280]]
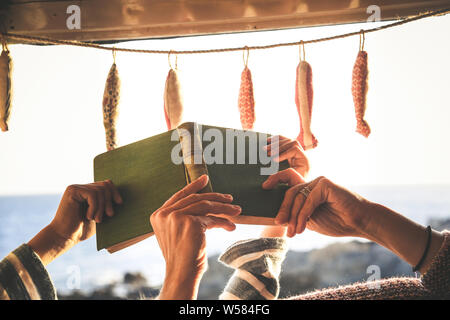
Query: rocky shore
[[333, 265]]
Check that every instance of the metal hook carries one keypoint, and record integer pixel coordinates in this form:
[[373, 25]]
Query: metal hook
[[243, 56]]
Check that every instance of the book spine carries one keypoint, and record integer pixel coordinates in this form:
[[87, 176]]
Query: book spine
[[192, 151]]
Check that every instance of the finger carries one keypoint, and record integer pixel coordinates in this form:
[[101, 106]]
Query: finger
[[210, 222], [292, 153], [101, 202], [289, 176], [204, 207], [277, 137], [197, 197], [315, 198], [285, 208], [273, 140], [91, 198], [279, 145], [282, 146], [191, 188], [295, 210], [108, 202], [114, 192], [85, 194]]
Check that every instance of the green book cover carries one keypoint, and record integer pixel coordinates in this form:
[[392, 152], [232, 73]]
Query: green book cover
[[150, 171]]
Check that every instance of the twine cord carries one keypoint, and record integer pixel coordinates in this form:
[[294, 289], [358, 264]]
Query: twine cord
[[243, 56], [4, 44], [43, 40], [170, 62], [302, 50], [362, 39]]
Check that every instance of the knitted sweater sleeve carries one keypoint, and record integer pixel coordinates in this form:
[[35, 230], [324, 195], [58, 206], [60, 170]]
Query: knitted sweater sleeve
[[257, 264], [437, 279], [24, 277], [434, 284]]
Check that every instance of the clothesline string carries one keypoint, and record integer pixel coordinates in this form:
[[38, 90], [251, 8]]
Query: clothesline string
[[42, 40]]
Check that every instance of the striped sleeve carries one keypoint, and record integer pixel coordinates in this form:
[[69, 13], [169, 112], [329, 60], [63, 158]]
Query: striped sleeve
[[257, 264], [24, 277]]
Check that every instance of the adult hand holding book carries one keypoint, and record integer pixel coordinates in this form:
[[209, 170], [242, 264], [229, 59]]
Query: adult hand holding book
[[233, 159], [180, 226], [290, 150], [81, 206], [282, 148]]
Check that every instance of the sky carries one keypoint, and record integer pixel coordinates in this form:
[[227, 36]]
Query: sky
[[56, 125]]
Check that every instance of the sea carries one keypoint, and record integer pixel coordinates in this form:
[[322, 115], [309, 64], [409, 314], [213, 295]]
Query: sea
[[84, 268]]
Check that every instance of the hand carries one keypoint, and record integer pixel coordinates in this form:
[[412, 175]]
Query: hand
[[289, 176], [180, 226], [80, 207], [290, 150], [334, 211], [83, 205], [328, 209]]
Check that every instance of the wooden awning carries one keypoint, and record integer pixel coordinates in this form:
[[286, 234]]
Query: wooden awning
[[115, 20]]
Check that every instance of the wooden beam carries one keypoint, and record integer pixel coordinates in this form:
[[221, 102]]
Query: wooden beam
[[115, 20]]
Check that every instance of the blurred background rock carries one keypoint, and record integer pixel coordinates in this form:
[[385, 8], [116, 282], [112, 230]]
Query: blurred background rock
[[334, 265]]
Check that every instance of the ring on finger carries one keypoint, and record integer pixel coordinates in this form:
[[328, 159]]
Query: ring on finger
[[305, 191]]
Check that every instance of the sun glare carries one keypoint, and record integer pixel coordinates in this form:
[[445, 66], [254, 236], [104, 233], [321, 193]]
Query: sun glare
[[56, 125]]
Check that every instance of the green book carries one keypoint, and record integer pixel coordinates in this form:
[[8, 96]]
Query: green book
[[150, 171]]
